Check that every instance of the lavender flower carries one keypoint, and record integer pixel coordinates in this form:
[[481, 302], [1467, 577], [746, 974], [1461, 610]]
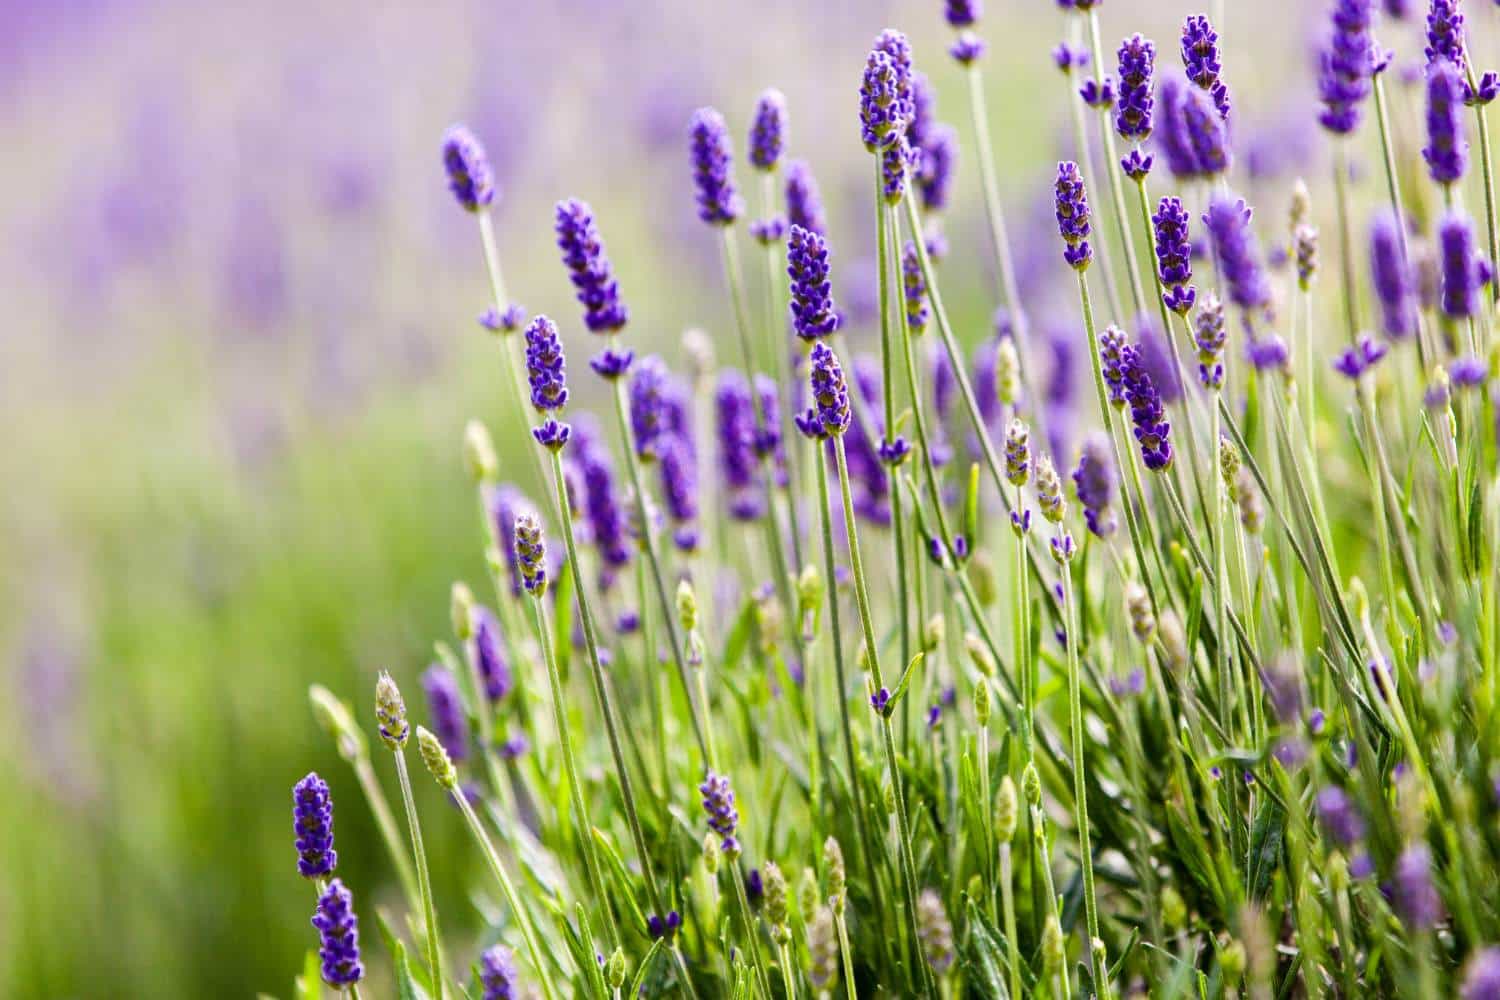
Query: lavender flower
[[1073, 215], [489, 658], [934, 931], [1468, 372], [1238, 251], [813, 314], [312, 821], [469, 175], [1174, 265], [497, 973], [1133, 112], [1391, 278], [1172, 135], [679, 482], [1156, 357], [897, 163], [1017, 452], [1460, 284], [937, 161], [804, 205], [712, 155], [446, 709], [768, 131], [736, 419], [1345, 66], [1445, 33], [767, 441], [503, 503], [1049, 490], [1340, 817], [963, 13], [531, 553], [1111, 346], [914, 288], [606, 518], [923, 110], [1482, 976], [338, 930], [1355, 361], [830, 394], [546, 370], [1095, 482], [1414, 896], [967, 48], [1200, 54], [1206, 134], [1208, 336], [885, 102], [647, 409], [1446, 152], [1151, 427], [718, 803], [589, 268]]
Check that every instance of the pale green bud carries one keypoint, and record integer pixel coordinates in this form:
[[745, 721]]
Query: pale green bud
[[687, 606], [711, 853], [439, 764], [980, 656], [390, 713], [776, 902], [808, 895], [1232, 961], [479, 453], [1138, 610], [982, 577], [461, 608], [616, 968], [833, 861], [1031, 785], [1173, 909], [982, 702], [932, 634], [1007, 372], [1007, 810], [1054, 947], [337, 721], [1173, 641]]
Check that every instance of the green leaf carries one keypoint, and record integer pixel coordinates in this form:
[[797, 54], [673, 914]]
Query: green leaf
[[621, 876], [971, 508], [406, 986], [1265, 849], [639, 981], [905, 681], [309, 985], [562, 620], [739, 636]]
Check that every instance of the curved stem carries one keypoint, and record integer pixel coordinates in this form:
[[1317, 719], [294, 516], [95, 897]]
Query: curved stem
[[424, 882]]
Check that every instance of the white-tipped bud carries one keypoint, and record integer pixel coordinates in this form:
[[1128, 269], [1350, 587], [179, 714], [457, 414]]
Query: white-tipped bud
[[479, 453]]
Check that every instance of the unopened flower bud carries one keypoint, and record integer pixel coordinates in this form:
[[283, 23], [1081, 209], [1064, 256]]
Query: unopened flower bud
[[337, 721], [932, 633], [390, 713], [615, 969], [461, 608], [776, 902], [982, 702], [982, 578], [1173, 641], [1054, 947], [479, 453], [833, 861], [1232, 961], [1031, 785], [1007, 372], [439, 764], [1006, 810], [1138, 608], [974, 646], [1173, 909], [808, 899], [711, 853], [687, 607]]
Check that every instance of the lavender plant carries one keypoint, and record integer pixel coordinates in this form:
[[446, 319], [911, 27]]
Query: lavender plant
[[1196, 756]]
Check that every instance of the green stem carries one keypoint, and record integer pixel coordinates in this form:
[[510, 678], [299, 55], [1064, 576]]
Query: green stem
[[846, 955], [497, 867], [601, 692], [1012, 945], [389, 831], [752, 935], [872, 650], [424, 882]]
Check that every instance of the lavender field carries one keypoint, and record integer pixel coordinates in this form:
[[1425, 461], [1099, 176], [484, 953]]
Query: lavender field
[[892, 498]]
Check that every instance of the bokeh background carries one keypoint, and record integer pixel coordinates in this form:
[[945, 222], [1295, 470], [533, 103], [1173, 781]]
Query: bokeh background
[[238, 348]]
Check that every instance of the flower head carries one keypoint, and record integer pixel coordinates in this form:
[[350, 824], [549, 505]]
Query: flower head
[[647, 406], [531, 553], [1238, 252], [1174, 265], [1133, 112], [338, 930], [898, 162], [1152, 431], [712, 156], [1414, 896], [589, 268], [1445, 33], [768, 130], [938, 158], [1073, 215], [390, 713], [813, 314], [1049, 491], [1017, 452], [489, 658], [884, 101], [1096, 482], [737, 433], [1208, 337], [497, 973], [1460, 276], [804, 204], [679, 479], [1482, 976], [963, 13], [718, 803], [1345, 66], [1200, 55], [312, 821], [1111, 344], [914, 289], [1394, 289], [934, 931], [829, 391], [469, 175], [445, 708], [1447, 151]]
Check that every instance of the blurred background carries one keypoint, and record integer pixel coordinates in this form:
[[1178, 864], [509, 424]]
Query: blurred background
[[239, 348]]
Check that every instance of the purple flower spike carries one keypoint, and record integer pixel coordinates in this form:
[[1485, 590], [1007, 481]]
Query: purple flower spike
[[469, 175], [898, 162], [1345, 66], [804, 204], [497, 973], [312, 820], [531, 553], [447, 711], [1447, 151], [1445, 33], [718, 803], [712, 155], [1111, 354], [768, 131], [1208, 336], [1206, 134], [1133, 113], [679, 481], [884, 102], [914, 289], [1482, 977], [647, 406], [1200, 55], [1095, 482], [829, 391], [737, 459], [1174, 265], [938, 159], [1394, 289], [606, 519], [1073, 215], [589, 267], [338, 930], [1238, 252], [963, 13], [1414, 896], [494, 669], [1340, 817], [504, 502], [967, 49], [1152, 431], [813, 314], [1460, 277], [546, 367]]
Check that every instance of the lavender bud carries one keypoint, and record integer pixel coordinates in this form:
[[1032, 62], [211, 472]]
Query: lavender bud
[[1111, 353], [712, 156], [1174, 264], [718, 803], [830, 394], [1456, 244], [1200, 55], [679, 479], [1049, 493], [937, 164], [1345, 66], [967, 48], [1238, 252], [1133, 113], [1482, 975], [338, 931], [833, 863], [883, 114], [497, 973], [768, 131], [898, 162], [823, 949], [647, 406], [589, 268], [1073, 215], [312, 821], [1209, 336], [390, 713], [489, 658], [777, 905], [963, 13], [546, 368], [1447, 151], [1445, 33], [439, 764], [1017, 452], [813, 314], [1095, 483], [446, 709], [1339, 816], [934, 931], [1152, 431], [737, 460], [914, 288], [531, 554], [804, 204], [1415, 897], [469, 175], [1138, 610], [479, 453]]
